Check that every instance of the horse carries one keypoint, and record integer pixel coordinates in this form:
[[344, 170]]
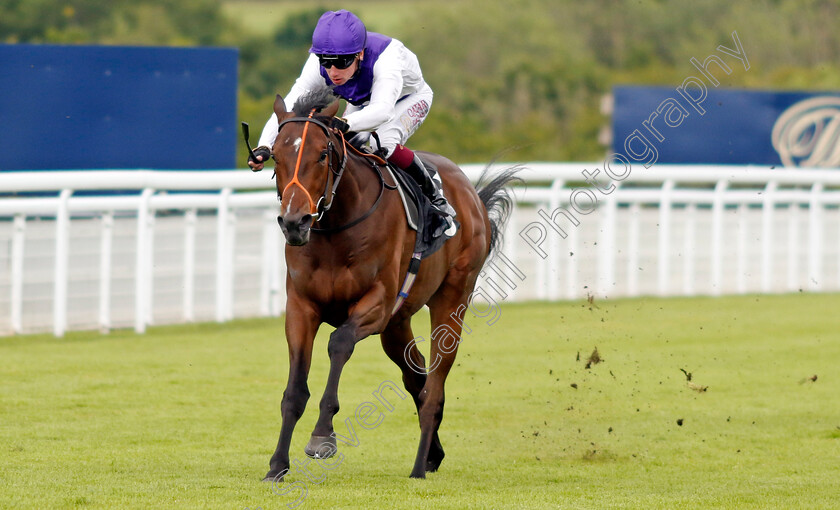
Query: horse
[[348, 245]]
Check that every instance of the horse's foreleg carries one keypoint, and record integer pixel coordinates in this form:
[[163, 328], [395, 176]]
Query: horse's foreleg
[[342, 342], [301, 326], [366, 317]]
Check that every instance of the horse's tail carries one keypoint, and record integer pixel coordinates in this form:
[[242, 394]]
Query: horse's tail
[[495, 195]]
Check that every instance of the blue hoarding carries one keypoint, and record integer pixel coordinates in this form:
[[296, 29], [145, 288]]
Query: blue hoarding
[[727, 126], [95, 107]]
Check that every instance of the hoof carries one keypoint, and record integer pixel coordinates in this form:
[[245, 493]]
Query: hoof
[[434, 460], [321, 447], [417, 475], [272, 477]]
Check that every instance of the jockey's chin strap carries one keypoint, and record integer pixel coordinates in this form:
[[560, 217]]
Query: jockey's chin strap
[[317, 210]]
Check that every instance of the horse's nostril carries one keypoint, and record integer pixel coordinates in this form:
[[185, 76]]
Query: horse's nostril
[[303, 223]]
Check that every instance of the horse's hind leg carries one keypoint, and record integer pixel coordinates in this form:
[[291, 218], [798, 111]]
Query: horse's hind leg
[[446, 334], [398, 343]]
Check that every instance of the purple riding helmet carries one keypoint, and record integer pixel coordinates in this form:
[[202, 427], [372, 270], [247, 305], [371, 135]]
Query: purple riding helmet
[[338, 33]]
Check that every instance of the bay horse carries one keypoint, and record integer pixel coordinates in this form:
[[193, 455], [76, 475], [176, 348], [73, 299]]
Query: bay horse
[[348, 249]]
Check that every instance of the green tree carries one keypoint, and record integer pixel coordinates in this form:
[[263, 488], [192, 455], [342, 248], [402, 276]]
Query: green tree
[[522, 78], [147, 22]]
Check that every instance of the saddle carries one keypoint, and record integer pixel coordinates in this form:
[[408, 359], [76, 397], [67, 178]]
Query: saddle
[[418, 209], [419, 214]]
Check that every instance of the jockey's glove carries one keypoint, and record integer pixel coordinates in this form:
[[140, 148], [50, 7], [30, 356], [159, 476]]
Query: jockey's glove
[[340, 124], [262, 151]]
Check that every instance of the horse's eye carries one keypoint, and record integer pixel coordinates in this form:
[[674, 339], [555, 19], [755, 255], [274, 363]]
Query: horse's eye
[[323, 157]]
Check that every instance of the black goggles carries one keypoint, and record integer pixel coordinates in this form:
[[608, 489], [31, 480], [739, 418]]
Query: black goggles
[[339, 61]]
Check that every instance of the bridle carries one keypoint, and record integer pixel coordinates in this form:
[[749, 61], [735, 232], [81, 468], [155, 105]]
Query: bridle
[[319, 209]]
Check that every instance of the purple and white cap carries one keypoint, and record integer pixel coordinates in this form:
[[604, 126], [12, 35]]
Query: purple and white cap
[[338, 33]]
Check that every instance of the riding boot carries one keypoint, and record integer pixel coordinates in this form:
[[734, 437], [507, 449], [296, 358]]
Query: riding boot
[[431, 186]]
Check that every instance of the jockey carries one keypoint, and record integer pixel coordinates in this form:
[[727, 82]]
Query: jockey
[[383, 85]]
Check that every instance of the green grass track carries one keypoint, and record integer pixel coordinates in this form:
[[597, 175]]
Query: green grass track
[[187, 416]]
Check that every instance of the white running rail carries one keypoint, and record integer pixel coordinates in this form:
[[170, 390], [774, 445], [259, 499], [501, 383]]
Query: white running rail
[[105, 249]]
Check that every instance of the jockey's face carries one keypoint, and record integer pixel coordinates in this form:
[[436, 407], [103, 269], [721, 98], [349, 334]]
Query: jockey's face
[[340, 76]]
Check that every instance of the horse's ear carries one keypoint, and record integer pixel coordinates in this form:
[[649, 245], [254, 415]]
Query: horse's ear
[[331, 110], [279, 106]]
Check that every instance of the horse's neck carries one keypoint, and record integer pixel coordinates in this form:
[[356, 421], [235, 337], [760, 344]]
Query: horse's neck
[[356, 193]]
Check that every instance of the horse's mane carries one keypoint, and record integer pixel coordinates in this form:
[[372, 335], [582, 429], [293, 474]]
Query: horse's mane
[[317, 99]]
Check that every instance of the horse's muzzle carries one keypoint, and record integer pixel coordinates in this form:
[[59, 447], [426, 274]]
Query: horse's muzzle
[[295, 228]]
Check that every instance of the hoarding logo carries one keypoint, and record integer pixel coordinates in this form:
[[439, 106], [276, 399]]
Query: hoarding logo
[[808, 133]]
